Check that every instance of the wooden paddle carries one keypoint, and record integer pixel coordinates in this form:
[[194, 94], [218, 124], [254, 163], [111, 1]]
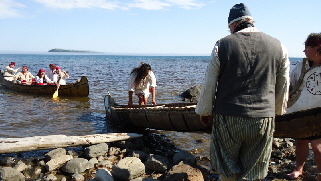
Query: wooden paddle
[[55, 95]]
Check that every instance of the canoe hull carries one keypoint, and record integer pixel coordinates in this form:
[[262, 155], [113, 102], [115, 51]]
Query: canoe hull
[[182, 117], [174, 117], [78, 89]]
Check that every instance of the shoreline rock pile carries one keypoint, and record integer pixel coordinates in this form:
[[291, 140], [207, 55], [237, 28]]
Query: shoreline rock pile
[[150, 158]]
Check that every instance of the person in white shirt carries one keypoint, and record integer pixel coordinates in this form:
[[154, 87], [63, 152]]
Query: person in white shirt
[[245, 86], [142, 82], [52, 71], [60, 76], [310, 97], [42, 78], [9, 72]]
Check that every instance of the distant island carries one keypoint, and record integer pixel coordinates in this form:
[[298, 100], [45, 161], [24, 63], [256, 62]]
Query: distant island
[[78, 51]]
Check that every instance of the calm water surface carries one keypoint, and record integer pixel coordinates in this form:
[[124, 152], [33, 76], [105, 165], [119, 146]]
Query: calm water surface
[[23, 115]]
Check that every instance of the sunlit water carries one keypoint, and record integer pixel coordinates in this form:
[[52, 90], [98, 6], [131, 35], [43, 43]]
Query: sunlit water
[[24, 115]]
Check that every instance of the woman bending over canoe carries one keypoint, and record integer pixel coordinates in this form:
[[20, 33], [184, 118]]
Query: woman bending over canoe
[[142, 82], [310, 97]]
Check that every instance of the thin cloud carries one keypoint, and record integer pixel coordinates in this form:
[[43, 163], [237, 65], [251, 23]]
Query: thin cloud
[[71, 4], [149, 4], [109, 4], [158, 5], [8, 9], [186, 4]]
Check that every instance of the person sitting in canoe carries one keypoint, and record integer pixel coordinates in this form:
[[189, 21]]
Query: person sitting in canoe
[[142, 82], [23, 77], [42, 78], [60, 76], [52, 71], [9, 72], [306, 77]]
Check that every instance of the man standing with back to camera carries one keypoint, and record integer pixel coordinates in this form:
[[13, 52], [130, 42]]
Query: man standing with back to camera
[[245, 85]]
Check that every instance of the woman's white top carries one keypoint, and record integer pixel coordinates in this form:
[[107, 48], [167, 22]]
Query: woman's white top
[[144, 84], [309, 91]]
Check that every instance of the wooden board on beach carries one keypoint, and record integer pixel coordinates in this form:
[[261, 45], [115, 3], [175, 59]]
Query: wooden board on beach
[[15, 145]]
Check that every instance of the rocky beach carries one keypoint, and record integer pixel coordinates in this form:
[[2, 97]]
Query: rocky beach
[[151, 157]]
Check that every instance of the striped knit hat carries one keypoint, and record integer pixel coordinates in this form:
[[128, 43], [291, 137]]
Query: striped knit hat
[[238, 12]]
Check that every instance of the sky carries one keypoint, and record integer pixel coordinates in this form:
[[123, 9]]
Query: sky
[[147, 27]]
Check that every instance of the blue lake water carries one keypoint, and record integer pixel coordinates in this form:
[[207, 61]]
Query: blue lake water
[[23, 115]]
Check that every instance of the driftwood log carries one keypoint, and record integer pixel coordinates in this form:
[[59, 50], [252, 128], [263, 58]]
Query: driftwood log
[[15, 145]]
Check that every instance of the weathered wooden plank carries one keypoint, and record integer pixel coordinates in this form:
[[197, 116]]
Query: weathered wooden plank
[[14, 145]]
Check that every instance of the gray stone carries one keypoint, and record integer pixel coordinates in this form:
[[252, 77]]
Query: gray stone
[[128, 168], [192, 94], [77, 177], [141, 155], [106, 163], [183, 172], [103, 175], [92, 162], [184, 156], [20, 166], [96, 150], [124, 144], [50, 177], [76, 165], [57, 162], [157, 163], [55, 153], [8, 161], [114, 151], [11, 174]]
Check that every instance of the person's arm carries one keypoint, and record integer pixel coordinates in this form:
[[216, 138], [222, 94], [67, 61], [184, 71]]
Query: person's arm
[[130, 98], [205, 103], [38, 79], [153, 86], [131, 89], [29, 81], [66, 74], [154, 95], [16, 77], [282, 85]]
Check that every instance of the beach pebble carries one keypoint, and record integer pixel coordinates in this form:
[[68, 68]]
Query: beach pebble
[[8, 173], [96, 150], [76, 165], [183, 171], [128, 168], [157, 163], [184, 156]]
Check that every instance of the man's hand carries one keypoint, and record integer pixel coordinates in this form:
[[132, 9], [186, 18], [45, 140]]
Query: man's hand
[[206, 120]]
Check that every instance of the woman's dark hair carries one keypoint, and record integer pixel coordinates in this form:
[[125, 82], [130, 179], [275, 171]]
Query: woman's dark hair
[[314, 39], [141, 72]]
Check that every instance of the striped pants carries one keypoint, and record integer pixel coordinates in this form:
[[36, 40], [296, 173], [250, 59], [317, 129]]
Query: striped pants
[[241, 146]]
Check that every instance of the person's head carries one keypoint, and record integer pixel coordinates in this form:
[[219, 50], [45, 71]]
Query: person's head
[[12, 64], [313, 46], [239, 13], [58, 69], [41, 72], [141, 72], [24, 69], [52, 66]]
